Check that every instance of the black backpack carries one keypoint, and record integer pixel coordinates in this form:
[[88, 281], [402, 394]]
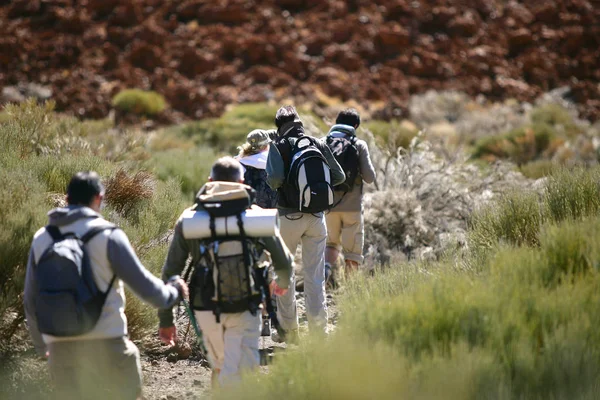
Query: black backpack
[[68, 301], [226, 278], [345, 151], [257, 179], [307, 187]]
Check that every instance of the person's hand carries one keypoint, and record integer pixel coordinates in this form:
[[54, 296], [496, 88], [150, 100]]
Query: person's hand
[[276, 290], [168, 335], [180, 284]]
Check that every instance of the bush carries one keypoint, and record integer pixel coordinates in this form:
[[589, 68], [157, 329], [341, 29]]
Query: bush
[[515, 219], [230, 129], [573, 193], [519, 145], [139, 102], [124, 192], [391, 135], [539, 168], [523, 327], [556, 116], [191, 167], [35, 173]]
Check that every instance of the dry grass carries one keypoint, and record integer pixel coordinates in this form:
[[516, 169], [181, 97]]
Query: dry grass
[[125, 191]]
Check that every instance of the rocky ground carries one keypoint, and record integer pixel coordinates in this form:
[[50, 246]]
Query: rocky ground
[[202, 55]]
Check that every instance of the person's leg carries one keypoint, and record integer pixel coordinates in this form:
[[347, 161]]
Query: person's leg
[[123, 371], [352, 239], [313, 258], [63, 364], [242, 332], [212, 334], [291, 232], [334, 229], [96, 369]]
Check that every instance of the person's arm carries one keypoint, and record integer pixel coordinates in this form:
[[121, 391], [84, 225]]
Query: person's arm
[[337, 173], [127, 267], [282, 259], [275, 169], [174, 265], [367, 170], [29, 305]]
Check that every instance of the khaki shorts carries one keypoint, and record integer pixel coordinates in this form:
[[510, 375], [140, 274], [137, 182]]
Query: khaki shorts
[[345, 231], [95, 369]]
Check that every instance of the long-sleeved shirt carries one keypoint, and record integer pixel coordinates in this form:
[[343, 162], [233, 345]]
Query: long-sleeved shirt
[[181, 248], [352, 201], [276, 168], [110, 254]]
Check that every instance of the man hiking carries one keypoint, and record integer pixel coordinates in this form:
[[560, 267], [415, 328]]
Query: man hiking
[[253, 157], [75, 299], [303, 171], [225, 282], [345, 227]]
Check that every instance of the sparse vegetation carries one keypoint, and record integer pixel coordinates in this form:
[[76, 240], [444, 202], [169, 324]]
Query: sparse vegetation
[[519, 326], [501, 307]]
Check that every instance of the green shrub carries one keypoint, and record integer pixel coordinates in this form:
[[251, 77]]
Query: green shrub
[[22, 212], [391, 135], [571, 250], [521, 328], [514, 219], [557, 117], [28, 128], [190, 166], [573, 193], [538, 169], [37, 161], [140, 102], [520, 145], [229, 131]]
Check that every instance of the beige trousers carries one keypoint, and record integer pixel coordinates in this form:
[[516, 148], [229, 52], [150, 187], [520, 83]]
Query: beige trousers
[[95, 369], [310, 230], [232, 344], [345, 231]]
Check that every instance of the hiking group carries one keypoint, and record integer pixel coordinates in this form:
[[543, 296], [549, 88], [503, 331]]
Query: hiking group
[[233, 248]]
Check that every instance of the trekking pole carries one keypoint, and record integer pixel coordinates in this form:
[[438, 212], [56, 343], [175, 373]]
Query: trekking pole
[[192, 317]]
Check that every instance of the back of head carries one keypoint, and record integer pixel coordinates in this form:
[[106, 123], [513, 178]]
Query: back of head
[[227, 169], [83, 188], [286, 114], [349, 117]]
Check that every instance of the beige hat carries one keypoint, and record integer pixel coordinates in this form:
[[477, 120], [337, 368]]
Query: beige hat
[[258, 138]]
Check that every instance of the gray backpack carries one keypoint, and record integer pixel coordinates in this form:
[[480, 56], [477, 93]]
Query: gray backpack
[[68, 301]]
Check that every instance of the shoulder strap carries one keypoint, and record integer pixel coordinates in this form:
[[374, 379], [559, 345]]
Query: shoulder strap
[[88, 236], [96, 230], [54, 233]]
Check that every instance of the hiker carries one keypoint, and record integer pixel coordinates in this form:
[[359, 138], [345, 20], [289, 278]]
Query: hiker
[[303, 171], [228, 314], [84, 335], [345, 227], [253, 157]]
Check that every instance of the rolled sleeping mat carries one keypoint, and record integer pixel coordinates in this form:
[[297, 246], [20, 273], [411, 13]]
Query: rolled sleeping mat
[[262, 222]]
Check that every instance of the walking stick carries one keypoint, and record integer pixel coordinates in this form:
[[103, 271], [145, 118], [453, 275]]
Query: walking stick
[[192, 317]]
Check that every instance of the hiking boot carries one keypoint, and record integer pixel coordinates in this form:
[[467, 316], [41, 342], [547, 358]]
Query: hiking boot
[[290, 337]]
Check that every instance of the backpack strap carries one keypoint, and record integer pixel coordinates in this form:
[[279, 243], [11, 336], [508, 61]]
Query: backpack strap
[[96, 230], [89, 235], [54, 232]]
